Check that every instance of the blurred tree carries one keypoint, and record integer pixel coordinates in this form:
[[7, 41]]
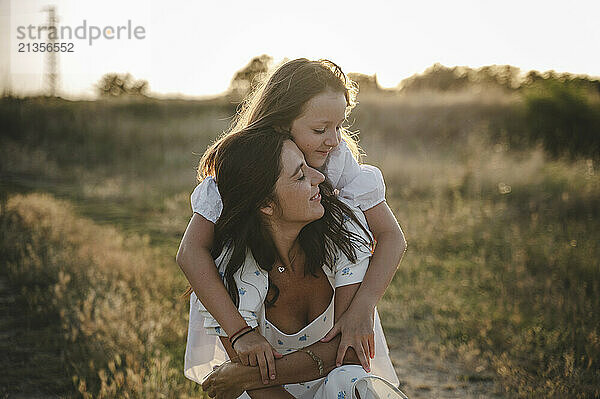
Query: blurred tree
[[441, 78], [503, 76], [246, 79], [532, 77], [506, 77], [563, 116], [436, 78], [366, 83], [118, 85], [577, 82]]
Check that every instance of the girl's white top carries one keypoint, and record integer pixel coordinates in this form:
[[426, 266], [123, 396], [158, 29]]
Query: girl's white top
[[204, 350], [362, 185]]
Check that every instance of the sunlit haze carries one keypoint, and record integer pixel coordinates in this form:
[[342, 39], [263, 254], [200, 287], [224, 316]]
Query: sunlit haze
[[193, 48]]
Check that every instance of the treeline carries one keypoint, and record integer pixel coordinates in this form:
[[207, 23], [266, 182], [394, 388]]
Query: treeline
[[505, 77], [560, 111]]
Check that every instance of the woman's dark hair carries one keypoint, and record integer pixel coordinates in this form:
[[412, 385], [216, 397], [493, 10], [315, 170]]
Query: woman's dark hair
[[281, 98], [247, 166]]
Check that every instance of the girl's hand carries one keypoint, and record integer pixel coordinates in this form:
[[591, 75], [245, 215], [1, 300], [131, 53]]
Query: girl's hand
[[357, 329], [224, 382], [254, 350]]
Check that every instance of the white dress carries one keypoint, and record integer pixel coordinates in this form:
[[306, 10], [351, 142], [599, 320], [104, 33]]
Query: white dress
[[204, 350]]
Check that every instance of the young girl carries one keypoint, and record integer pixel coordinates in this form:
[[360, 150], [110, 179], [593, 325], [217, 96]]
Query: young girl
[[310, 100]]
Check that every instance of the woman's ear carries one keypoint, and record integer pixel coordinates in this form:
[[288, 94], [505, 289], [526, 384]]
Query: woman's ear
[[267, 209], [282, 129]]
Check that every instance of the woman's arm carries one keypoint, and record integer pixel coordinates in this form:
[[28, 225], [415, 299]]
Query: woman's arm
[[195, 260], [234, 378], [357, 322], [271, 392]]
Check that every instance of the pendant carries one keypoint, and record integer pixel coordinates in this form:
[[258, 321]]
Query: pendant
[[281, 269]]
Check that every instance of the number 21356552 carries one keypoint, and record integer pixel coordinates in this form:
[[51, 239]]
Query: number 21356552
[[46, 47]]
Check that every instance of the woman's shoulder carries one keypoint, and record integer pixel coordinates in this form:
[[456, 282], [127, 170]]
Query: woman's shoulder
[[248, 273], [252, 287]]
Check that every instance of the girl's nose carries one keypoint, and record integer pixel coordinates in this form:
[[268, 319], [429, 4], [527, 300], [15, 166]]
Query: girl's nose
[[333, 138]]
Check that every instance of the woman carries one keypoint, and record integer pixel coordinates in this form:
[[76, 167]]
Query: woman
[[310, 100], [283, 234]]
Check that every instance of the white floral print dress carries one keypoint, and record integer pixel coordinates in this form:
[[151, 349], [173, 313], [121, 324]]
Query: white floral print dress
[[204, 350]]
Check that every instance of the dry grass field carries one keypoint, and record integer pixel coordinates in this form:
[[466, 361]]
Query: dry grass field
[[501, 279]]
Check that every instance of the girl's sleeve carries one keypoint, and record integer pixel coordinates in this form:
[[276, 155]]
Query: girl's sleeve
[[362, 185], [367, 189], [341, 167], [346, 271], [206, 200]]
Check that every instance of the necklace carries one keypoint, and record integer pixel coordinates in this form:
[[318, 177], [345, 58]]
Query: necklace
[[281, 268]]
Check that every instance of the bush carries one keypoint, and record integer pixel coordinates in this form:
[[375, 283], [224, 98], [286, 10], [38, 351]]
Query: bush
[[564, 118]]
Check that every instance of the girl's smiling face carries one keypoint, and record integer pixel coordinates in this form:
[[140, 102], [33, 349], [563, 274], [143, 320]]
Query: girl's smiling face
[[317, 130]]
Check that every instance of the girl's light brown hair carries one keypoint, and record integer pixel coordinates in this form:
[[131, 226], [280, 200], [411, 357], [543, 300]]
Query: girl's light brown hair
[[280, 99]]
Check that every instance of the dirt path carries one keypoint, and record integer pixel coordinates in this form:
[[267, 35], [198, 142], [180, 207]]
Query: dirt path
[[424, 377]]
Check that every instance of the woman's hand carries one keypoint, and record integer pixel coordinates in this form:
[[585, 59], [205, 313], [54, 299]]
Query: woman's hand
[[254, 350], [224, 382], [357, 328]]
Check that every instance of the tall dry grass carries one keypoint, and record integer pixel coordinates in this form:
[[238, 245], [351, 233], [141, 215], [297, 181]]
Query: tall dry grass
[[502, 271], [122, 321], [501, 274]]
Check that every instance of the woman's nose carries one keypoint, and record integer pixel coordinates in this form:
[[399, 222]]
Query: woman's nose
[[333, 138], [317, 177]]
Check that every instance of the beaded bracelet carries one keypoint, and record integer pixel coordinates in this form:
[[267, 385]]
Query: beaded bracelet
[[315, 358], [250, 329]]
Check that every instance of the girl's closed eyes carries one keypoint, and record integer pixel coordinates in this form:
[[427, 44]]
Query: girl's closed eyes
[[324, 129]]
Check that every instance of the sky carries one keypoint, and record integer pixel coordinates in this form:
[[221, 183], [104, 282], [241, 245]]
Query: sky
[[192, 48]]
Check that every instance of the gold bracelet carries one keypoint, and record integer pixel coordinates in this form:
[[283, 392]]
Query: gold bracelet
[[315, 358]]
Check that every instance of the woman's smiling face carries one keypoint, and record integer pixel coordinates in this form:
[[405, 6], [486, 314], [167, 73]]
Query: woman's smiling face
[[297, 188], [317, 130]]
